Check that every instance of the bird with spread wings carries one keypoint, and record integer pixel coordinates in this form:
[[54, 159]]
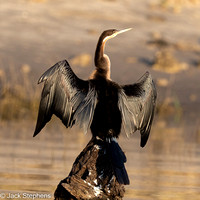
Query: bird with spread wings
[[99, 103]]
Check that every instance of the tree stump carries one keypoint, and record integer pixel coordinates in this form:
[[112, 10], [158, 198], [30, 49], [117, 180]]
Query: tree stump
[[92, 176]]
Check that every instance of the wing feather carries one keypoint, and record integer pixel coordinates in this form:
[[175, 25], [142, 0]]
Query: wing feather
[[65, 95], [137, 105]]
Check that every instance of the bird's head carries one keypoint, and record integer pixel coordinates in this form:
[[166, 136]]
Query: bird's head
[[102, 61], [111, 33]]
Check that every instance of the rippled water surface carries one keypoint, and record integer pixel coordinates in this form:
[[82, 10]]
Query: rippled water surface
[[167, 168]]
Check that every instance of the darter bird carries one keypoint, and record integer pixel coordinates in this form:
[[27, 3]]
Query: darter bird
[[99, 103]]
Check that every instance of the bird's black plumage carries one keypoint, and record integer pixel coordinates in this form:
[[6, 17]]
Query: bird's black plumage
[[99, 103]]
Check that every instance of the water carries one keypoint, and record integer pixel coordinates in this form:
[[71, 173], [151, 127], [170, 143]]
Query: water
[[167, 168]]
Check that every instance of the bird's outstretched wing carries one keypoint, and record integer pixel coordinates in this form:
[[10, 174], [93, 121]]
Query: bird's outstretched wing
[[137, 105], [68, 97]]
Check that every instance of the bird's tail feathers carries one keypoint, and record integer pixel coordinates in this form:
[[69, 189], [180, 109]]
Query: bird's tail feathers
[[118, 159]]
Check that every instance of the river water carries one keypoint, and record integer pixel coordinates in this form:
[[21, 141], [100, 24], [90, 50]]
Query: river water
[[167, 168]]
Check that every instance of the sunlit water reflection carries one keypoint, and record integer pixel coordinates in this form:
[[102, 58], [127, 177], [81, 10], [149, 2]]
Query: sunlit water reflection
[[167, 168]]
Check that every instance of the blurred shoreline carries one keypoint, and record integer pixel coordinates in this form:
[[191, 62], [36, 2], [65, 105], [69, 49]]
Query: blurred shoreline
[[38, 33]]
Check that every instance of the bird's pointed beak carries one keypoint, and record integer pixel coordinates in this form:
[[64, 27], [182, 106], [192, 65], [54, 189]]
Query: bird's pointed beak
[[115, 34], [122, 31]]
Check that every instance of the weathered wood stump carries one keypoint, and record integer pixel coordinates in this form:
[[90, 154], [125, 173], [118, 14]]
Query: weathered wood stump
[[92, 176]]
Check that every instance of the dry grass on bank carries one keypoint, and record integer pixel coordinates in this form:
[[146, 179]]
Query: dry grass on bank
[[18, 97], [165, 61], [166, 52], [177, 5]]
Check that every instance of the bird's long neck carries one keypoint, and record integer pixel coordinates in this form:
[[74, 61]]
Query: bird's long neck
[[102, 61]]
